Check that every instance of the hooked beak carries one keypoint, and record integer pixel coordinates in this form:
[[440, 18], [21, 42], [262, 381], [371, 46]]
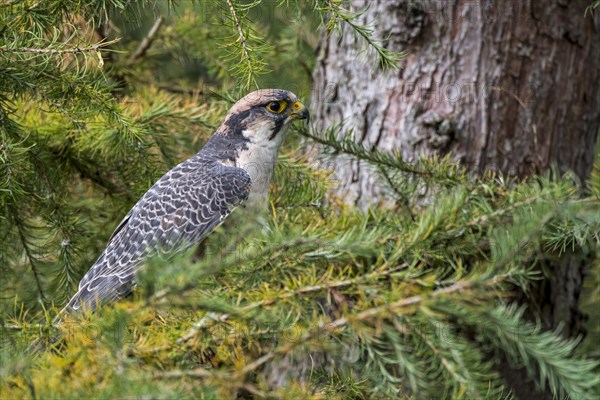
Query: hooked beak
[[299, 111]]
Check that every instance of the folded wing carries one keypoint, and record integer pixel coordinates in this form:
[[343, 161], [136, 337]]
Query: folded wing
[[180, 209]]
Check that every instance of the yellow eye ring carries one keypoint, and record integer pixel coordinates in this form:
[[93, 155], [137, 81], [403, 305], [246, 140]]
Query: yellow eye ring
[[277, 107]]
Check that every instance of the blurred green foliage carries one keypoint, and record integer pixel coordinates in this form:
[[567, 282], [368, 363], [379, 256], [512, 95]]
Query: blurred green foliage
[[409, 299]]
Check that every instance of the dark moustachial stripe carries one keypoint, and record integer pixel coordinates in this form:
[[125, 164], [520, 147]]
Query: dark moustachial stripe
[[234, 123], [278, 125]]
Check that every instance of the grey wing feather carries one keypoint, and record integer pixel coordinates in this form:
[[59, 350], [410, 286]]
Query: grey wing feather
[[180, 209]]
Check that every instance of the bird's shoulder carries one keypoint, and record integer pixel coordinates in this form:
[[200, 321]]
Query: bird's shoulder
[[199, 175]]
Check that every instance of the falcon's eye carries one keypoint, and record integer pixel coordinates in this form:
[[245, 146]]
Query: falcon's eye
[[277, 107]]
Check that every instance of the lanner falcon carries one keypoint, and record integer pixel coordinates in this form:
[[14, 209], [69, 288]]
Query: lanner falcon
[[192, 199]]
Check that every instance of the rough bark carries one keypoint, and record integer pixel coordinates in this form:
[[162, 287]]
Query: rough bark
[[507, 85]]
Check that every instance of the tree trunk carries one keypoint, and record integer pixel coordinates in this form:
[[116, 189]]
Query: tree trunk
[[512, 86]]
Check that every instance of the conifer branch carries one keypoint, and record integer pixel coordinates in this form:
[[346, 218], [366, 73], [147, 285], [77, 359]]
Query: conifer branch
[[484, 219], [368, 314], [241, 36], [61, 48], [387, 59], [146, 43], [79, 49], [335, 325], [247, 46], [461, 377], [443, 171], [325, 286]]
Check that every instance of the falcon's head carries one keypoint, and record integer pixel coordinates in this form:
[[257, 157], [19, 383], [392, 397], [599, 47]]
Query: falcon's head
[[263, 116], [252, 133]]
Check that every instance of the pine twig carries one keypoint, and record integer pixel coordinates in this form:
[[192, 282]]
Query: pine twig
[[146, 43], [336, 324], [501, 212], [387, 58], [72, 50], [328, 285], [365, 315], [242, 37], [49, 51]]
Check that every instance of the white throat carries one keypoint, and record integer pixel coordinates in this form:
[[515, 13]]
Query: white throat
[[259, 159]]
